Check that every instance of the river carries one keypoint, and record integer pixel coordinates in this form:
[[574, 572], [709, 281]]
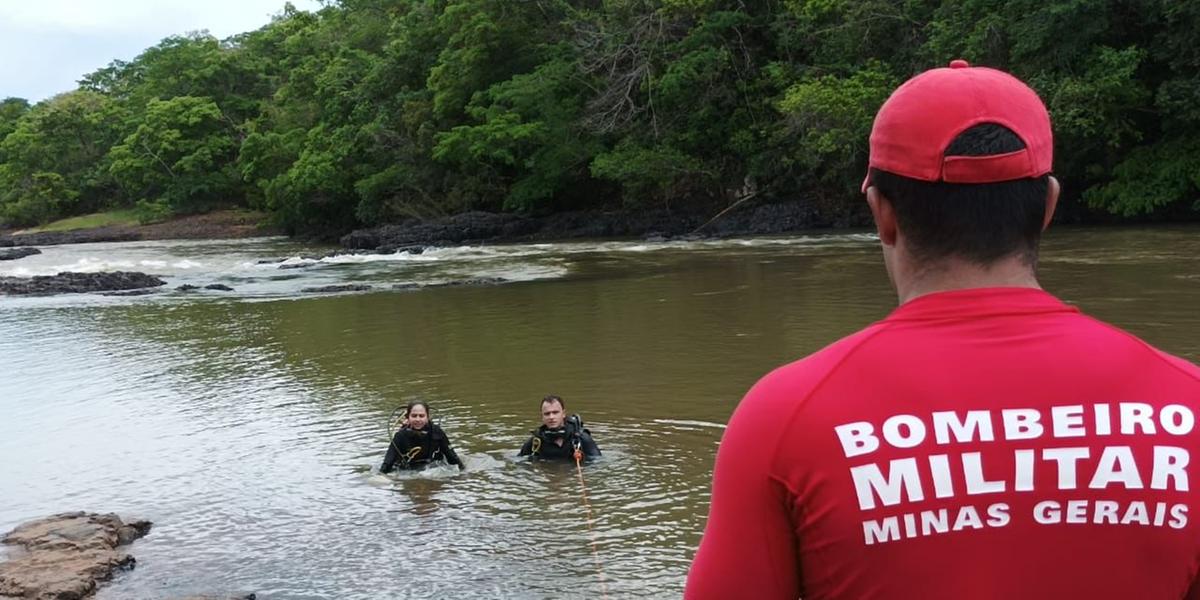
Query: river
[[249, 425]]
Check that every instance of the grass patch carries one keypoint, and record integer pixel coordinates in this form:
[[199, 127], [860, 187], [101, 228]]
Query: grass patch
[[124, 216]]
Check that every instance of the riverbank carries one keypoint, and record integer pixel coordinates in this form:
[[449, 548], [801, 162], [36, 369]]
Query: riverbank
[[221, 224], [484, 227], [473, 227]]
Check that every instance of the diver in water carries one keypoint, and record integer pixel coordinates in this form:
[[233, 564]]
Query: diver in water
[[560, 435], [418, 443]]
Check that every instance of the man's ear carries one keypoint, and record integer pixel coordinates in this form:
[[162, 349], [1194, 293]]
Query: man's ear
[[1052, 191], [885, 215]]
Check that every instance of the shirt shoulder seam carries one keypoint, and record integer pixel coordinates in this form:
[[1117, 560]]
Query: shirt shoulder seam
[[1144, 345], [881, 326]]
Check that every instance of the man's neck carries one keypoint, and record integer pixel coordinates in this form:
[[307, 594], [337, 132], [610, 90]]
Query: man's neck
[[955, 274]]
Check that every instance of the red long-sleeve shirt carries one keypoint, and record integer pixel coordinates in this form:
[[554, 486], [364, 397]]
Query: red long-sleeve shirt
[[985, 443]]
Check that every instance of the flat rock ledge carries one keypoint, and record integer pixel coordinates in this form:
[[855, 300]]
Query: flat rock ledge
[[77, 283], [64, 556], [15, 253]]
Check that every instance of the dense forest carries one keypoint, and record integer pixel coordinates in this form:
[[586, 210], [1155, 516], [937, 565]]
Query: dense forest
[[371, 111]]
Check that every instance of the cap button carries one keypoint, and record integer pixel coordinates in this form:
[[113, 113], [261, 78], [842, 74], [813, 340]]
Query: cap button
[[959, 64]]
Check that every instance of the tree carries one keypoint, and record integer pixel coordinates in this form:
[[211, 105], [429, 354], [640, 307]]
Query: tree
[[181, 156]]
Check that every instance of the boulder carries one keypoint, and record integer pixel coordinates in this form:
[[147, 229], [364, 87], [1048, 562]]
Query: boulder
[[345, 287], [64, 556], [16, 253], [77, 283]]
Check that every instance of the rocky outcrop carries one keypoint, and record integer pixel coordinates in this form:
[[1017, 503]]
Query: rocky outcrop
[[220, 287], [238, 596], [472, 281], [77, 283], [137, 292], [455, 229], [478, 227], [64, 556], [329, 289], [16, 253], [454, 283], [82, 236], [219, 224]]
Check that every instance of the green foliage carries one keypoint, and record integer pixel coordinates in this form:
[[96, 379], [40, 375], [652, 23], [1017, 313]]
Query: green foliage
[[36, 199], [181, 156], [525, 136], [368, 111], [830, 122], [89, 221], [1151, 178], [648, 173], [11, 111], [67, 137]]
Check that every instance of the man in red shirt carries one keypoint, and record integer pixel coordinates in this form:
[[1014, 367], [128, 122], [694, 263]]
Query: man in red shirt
[[985, 440]]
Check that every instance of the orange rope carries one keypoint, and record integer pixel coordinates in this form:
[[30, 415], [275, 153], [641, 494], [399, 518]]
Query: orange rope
[[591, 529]]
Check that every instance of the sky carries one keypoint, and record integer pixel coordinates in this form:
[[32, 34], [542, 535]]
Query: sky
[[46, 46]]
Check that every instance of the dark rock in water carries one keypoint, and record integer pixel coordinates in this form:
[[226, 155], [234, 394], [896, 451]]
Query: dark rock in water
[[400, 250], [140, 292], [237, 596], [67, 554], [721, 220], [84, 236], [456, 229], [455, 283], [345, 287], [187, 287], [16, 253], [269, 261], [474, 281], [77, 283], [220, 287], [295, 265]]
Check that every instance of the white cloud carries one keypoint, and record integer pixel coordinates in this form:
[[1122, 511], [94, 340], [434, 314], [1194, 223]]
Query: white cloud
[[47, 45]]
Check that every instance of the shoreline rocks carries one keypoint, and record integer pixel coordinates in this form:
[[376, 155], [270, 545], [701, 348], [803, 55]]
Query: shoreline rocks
[[82, 236], [330, 289], [218, 224], [480, 227], [64, 556], [77, 283], [16, 253]]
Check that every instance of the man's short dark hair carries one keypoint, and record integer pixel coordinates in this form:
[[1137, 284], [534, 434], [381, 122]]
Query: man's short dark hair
[[980, 222], [550, 399]]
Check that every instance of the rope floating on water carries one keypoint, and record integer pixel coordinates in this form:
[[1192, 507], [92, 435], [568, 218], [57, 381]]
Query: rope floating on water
[[591, 528]]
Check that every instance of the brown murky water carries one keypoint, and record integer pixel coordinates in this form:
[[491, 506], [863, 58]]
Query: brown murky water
[[247, 425]]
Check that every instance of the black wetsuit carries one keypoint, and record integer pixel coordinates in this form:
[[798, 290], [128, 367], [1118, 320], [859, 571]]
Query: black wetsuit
[[541, 443], [416, 448]]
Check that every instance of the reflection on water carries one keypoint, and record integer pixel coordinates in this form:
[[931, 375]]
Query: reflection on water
[[249, 431]]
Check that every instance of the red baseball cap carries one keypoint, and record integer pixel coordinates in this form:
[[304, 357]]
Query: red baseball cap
[[917, 123]]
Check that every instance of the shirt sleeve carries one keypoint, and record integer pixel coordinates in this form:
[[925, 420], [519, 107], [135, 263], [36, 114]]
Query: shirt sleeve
[[749, 536]]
